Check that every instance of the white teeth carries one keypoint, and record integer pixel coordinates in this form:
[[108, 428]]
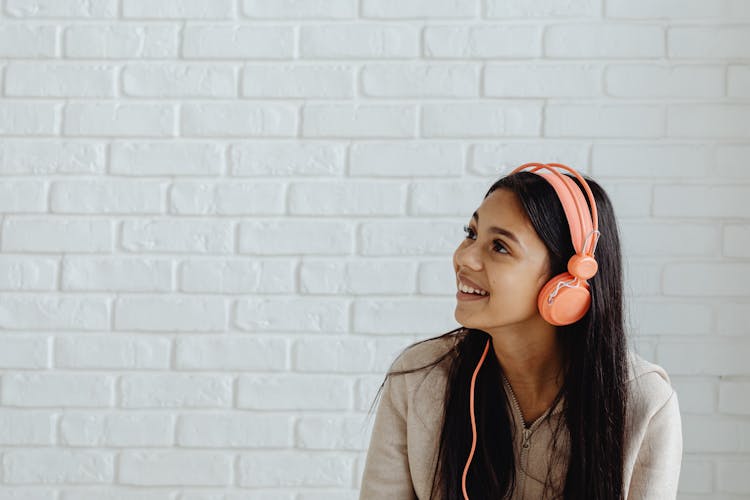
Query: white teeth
[[468, 289]]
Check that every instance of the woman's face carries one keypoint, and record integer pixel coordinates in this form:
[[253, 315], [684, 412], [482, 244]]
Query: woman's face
[[513, 272]]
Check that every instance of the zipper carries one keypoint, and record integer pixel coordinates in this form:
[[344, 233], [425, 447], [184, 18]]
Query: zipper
[[527, 432]]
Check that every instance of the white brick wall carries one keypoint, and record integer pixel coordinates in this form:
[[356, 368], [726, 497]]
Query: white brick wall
[[220, 221]]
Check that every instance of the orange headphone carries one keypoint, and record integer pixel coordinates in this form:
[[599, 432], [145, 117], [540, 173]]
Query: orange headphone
[[565, 298]]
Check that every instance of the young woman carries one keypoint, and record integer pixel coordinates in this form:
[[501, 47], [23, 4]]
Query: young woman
[[537, 395]]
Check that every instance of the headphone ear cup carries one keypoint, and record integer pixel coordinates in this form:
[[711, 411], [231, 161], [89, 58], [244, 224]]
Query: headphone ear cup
[[569, 305]]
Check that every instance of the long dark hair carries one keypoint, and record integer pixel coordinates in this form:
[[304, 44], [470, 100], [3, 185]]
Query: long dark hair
[[595, 383]]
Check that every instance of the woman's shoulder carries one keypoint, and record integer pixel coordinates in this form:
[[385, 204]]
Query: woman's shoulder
[[649, 384]]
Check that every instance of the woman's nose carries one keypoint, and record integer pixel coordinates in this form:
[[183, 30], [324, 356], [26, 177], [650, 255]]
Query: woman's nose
[[468, 256]]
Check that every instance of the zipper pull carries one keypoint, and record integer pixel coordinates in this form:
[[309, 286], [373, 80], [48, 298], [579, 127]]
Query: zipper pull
[[526, 435]]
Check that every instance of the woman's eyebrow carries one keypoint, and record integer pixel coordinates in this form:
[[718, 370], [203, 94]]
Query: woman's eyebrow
[[498, 230]]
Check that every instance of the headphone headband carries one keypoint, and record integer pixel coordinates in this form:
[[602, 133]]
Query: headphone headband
[[581, 221]]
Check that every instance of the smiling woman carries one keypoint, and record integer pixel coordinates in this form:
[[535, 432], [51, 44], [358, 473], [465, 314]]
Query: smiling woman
[[563, 408]]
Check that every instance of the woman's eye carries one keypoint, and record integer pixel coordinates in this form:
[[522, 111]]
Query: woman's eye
[[496, 244]]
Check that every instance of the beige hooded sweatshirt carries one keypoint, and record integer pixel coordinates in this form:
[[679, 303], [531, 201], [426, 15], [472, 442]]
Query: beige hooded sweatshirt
[[404, 442]]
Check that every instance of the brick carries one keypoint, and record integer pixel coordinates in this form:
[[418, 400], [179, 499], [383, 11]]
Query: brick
[[669, 239], [493, 120], [420, 80], [665, 82], [121, 40], [642, 278], [359, 120], [227, 41], [364, 40], [409, 237], [294, 392], [485, 41], [604, 41], [701, 279], [715, 357], [43, 9], [730, 160], [23, 196], [500, 157], [178, 9], [714, 434], [109, 493], [103, 197], [308, 315], [175, 468], [235, 430], [696, 476], [121, 119], [50, 311], [439, 197], [45, 157], [734, 397], [736, 241], [176, 390], [708, 42], [333, 81], [58, 389], [225, 198], [24, 351], [116, 274], [703, 121], [111, 352], [683, 200], [436, 278], [733, 318], [364, 276], [179, 80], [318, 237], [57, 234], [238, 119], [519, 9], [338, 355], [39, 79], [542, 80], [293, 9], [697, 395], [419, 9], [331, 433], [27, 40], [406, 158], [738, 81], [27, 427], [177, 235], [29, 118], [157, 158], [628, 200], [347, 198], [297, 158], [237, 276], [27, 273], [392, 317], [294, 468], [678, 9], [671, 318], [116, 429], [731, 476], [170, 314], [37, 466], [652, 161], [604, 120], [230, 352]]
